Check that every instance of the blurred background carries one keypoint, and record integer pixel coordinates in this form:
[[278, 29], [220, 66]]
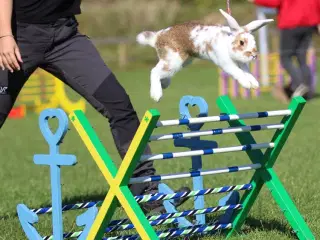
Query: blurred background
[[113, 24]]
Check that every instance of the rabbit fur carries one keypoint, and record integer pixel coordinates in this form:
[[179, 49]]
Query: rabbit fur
[[230, 47]]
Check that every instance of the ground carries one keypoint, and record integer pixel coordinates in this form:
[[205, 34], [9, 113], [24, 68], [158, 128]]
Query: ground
[[297, 166]]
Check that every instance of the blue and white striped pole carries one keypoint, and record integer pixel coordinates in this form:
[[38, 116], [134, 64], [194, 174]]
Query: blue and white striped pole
[[217, 131], [157, 178], [171, 155], [223, 118]]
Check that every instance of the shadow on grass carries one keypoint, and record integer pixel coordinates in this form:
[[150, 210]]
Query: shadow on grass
[[84, 198], [253, 224], [270, 225]]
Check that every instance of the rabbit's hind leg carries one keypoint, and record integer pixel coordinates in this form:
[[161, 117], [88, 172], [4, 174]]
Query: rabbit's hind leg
[[162, 73]]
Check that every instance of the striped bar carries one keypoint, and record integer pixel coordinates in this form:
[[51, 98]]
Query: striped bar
[[68, 207], [222, 118], [167, 218], [217, 131], [186, 213], [177, 195], [157, 178], [152, 198], [116, 228], [152, 223], [169, 234], [170, 155]]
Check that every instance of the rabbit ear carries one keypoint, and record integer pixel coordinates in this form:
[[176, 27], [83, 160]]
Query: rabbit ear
[[231, 21], [255, 25]]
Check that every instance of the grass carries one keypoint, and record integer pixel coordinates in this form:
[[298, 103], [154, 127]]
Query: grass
[[297, 166]]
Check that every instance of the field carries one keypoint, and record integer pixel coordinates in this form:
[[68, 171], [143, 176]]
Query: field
[[297, 166]]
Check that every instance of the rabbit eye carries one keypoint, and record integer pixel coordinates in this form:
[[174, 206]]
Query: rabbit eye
[[241, 42]]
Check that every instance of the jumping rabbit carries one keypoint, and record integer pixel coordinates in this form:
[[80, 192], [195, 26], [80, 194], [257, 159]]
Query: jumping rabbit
[[229, 47]]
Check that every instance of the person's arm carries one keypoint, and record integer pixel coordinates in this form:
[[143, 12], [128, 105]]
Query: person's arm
[[9, 51], [267, 3], [5, 17]]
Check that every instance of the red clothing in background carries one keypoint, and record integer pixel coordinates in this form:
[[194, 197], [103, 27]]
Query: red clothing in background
[[294, 13]]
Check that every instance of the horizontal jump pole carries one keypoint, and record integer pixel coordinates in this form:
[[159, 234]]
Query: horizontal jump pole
[[222, 118], [150, 198], [115, 228], [171, 155], [217, 131], [178, 232], [157, 178], [195, 193], [167, 218], [186, 213]]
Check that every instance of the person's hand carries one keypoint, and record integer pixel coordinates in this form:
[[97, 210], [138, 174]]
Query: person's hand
[[9, 54]]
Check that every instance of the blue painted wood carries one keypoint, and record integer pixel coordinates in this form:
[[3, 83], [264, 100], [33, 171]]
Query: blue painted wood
[[86, 220], [168, 205], [54, 160], [195, 143], [27, 218]]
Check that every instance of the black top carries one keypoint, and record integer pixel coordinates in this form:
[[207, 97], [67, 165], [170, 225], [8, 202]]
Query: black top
[[45, 11]]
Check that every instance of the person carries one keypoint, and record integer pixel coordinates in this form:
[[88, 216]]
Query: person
[[44, 34], [297, 21]]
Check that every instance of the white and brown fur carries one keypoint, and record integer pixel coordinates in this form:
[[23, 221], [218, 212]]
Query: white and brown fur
[[230, 48]]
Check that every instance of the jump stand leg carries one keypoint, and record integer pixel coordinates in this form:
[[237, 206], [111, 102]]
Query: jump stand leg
[[266, 175]]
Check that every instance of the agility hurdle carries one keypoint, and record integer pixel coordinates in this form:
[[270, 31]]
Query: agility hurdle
[[277, 76], [43, 91], [98, 222]]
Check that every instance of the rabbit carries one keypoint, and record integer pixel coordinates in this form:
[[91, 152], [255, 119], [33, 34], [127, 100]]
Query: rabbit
[[230, 47]]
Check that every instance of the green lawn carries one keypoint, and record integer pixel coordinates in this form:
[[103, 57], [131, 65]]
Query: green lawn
[[297, 166]]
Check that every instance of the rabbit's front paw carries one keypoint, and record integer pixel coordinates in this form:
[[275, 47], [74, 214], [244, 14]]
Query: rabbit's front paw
[[254, 83], [156, 93], [244, 82]]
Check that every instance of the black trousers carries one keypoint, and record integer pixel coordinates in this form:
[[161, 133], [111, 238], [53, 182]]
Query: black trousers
[[295, 43], [61, 50]]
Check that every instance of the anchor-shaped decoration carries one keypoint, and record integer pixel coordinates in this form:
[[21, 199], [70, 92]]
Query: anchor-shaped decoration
[[194, 143], [54, 160]]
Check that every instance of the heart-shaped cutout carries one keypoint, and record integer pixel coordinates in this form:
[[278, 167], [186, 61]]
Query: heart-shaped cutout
[[53, 139], [191, 101]]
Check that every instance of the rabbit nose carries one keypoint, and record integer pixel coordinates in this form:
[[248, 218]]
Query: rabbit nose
[[255, 56]]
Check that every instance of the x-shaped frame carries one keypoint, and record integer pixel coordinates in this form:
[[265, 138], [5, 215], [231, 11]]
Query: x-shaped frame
[[119, 192], [266, 175]]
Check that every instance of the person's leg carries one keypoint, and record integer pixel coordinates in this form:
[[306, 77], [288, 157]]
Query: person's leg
[[304, 44], [288, 45], [74, 59], [10, 86]]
